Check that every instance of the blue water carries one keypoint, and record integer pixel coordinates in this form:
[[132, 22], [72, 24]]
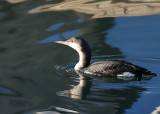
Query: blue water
[[139, 34], [37, 75]]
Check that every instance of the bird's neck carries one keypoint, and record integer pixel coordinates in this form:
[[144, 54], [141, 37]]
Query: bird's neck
[[84, 60]]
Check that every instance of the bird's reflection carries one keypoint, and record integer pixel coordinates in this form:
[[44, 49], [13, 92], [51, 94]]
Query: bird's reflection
[[80, 91]]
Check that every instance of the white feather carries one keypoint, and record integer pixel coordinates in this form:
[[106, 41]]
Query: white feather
[[126, 74]]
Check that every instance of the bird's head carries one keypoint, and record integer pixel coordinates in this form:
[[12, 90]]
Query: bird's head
[[76, 43]]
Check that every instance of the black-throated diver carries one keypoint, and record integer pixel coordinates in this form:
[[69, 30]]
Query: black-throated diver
[[102, 68]]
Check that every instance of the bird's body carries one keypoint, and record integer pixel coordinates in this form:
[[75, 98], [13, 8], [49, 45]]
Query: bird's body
[[102, 68], [116, 68]]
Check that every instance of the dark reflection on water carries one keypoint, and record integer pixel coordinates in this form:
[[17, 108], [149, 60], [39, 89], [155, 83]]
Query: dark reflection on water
[[114, 100], [34, 71], [20, 103], [80, 91]]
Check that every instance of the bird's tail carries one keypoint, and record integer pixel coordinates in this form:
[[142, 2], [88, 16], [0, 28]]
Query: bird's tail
[[149, 73]]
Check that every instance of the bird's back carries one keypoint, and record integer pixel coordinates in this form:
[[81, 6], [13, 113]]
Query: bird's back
[[115, 68]]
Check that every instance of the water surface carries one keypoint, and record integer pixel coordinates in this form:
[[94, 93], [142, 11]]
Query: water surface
[[37, 75]]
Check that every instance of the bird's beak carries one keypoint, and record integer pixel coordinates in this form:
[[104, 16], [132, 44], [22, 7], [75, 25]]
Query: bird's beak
[[61, 42]]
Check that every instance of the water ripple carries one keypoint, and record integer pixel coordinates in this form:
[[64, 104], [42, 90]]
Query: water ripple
[[67, 69]]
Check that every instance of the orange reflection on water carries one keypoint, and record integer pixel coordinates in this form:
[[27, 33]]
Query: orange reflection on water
[[101, 9]]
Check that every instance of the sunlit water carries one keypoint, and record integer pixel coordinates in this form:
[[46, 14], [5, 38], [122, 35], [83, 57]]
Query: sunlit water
[[38, 77]]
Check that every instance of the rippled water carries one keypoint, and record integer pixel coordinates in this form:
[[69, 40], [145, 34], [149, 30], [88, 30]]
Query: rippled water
[[37, 75]]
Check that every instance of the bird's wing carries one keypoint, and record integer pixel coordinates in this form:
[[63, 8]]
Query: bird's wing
[[112, 67]]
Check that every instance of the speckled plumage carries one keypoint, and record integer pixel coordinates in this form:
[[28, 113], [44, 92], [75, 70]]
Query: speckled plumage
[[115, 67]]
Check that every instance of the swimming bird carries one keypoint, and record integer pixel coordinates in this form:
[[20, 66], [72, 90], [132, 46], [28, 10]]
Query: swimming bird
[[102, 68]]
